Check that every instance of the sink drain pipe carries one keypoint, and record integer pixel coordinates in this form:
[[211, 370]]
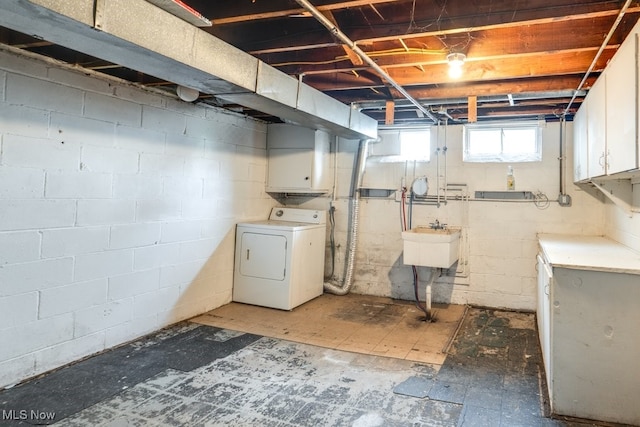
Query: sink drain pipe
[[428, 310], [333, 287]]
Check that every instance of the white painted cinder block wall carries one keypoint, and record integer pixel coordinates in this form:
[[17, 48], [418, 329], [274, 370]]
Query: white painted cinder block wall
[[502, 235], [118, 206], [622, 227], [117, 211]]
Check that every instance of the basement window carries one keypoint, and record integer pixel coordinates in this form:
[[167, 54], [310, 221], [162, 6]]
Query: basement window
[[402, 144], [494, 142]]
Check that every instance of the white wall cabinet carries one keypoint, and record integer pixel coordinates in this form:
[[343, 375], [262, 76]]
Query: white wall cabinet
[[298, 159], [621, 109], [606, 125]]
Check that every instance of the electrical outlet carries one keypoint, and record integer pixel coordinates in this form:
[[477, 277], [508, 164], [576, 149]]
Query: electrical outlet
[[564, 200]]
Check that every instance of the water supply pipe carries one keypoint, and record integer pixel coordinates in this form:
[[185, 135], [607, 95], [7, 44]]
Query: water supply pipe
[[333, 287], [333, 29], [563, 198], [444, 155], [438, 165]]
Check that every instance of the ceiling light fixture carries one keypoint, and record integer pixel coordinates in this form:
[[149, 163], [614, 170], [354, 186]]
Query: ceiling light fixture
[[456, 61], [187, 94]]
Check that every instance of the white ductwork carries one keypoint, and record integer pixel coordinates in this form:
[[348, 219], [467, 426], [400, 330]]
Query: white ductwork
[[283, 96], [174, 50]]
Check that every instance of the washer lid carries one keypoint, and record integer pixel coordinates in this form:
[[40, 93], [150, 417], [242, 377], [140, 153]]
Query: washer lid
[[420, 186]]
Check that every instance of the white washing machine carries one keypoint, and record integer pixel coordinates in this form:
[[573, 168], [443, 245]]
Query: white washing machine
[[279, 262]]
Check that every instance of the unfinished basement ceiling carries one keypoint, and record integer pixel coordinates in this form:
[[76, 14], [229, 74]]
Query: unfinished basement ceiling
[[524, 59]]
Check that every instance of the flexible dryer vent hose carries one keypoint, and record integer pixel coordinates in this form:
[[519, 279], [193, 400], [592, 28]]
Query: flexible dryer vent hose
[[334, 287]]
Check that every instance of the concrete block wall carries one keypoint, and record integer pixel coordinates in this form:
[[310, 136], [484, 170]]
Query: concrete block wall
[[623, 227], [117, 211], [502, 236]]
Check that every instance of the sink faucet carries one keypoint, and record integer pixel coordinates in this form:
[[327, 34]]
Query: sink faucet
[[437, 226]]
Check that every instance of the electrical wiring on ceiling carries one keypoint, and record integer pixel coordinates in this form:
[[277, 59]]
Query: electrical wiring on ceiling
[[373, 54]]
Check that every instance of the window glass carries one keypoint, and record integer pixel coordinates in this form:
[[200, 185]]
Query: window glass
[[484, 141], [493, 142], [402, 144], [415, 145]]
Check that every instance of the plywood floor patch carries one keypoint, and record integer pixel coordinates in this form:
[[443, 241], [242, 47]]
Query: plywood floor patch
[[357, 323]]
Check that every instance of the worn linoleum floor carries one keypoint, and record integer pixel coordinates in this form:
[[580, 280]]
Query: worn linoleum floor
[[198, 375], [357, 323]]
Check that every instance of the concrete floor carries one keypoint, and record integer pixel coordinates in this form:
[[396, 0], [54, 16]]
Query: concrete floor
[[199, 375]]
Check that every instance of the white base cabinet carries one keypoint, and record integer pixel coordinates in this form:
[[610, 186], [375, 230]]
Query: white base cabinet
[[589, 327], [595, 342], [545, 276]]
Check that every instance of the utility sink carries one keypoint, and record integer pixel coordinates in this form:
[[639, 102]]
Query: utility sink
[[429, 247]]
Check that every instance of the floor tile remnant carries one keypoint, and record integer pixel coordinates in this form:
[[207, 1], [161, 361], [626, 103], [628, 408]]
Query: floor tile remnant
[[202, 376], [416, 386]]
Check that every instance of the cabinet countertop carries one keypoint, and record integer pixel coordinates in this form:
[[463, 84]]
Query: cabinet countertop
[[596, 253]]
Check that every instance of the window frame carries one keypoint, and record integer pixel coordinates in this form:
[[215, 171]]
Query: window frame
[[502, 156]]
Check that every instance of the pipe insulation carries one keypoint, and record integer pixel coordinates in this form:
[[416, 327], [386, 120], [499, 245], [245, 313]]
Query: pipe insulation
[[333, 29], [333, 287]]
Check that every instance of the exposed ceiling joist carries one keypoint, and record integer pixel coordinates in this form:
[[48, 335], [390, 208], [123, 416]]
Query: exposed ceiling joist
[[297, 12], [353, 57], [511, 47], [567, 20]]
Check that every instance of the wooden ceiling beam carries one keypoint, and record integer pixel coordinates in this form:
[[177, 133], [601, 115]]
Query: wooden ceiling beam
[[308, 44], [423, 62], [523, 66], [462, 114], [490, 69], [353, 57], [482, 44], [454, 91], [492, 88], [282, 13], [32, 45], [503, 25]]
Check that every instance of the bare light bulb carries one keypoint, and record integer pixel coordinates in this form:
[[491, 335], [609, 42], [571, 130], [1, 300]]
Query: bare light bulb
[[456, 61], [455, 72]]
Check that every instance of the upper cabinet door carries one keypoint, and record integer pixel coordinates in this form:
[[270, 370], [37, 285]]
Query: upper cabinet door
[[596, 129], [621, 78], [580, 149], [290, 169]]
